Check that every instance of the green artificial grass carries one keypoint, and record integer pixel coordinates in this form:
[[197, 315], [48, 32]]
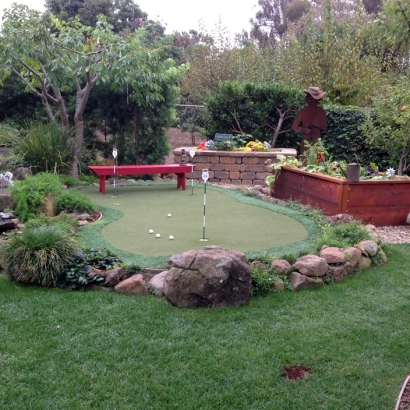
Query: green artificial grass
[[101, 350], [233, 221]]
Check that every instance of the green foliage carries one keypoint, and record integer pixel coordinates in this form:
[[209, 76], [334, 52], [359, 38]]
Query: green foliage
[[65, 222], [45, 147], [342, 235], [263, 110], [38, 255], [345, 138], [29, 194], [216, 60], [131, 269], [75, 275], [331, 54], [262, 281], [68, 180], [74, 202], [388, 127]]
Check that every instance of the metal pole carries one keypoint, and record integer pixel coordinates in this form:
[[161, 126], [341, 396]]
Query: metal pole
[[114, 154], [192, 172], [203, 230], [205, 176]]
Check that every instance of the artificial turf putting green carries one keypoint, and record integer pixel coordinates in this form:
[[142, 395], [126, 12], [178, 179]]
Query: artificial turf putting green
[[230, 223]]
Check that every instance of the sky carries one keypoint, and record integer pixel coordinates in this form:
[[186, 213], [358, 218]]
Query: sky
[[183, 15]]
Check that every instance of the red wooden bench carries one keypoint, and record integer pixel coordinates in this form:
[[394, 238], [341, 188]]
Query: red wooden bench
[[104, 171]]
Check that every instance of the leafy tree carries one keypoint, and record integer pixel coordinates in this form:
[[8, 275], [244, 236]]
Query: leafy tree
[[330, 56], [216, 60], [389, 127], [263, 110], [390, 33], [71, 56], [136, 124], [124, 15]]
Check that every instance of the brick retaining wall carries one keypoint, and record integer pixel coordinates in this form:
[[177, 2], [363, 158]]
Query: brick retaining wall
[[232, 167]]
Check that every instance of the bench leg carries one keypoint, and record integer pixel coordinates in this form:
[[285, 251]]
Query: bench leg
[[102, 184], [181, 181]]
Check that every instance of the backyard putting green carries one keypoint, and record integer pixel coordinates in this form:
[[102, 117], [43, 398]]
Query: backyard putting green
[[248, 224]]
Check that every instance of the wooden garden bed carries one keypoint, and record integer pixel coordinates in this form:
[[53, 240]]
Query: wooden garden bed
[[378, 202]]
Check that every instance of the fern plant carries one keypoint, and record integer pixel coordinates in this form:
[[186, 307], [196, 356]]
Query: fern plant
[[29, 194]]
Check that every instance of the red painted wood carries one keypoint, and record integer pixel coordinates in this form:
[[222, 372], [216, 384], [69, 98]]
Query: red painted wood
[[104, 171], [380, 202]]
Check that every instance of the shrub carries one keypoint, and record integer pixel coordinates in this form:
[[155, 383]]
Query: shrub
[[262, 281], [38, 255], [342, 235], [74, 202], [65, 222], [29, 194], [68, 180]]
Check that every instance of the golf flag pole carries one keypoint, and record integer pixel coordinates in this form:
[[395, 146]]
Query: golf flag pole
[[114, 154], [205, 177], [192, 154]]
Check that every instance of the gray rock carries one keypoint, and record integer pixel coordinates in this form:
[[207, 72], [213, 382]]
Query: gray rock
[[157, 283], [311, 265], [299, 281], [352, 255], [281, 266], [114, 276], [364, 263], [332, 255], [210, 277], [340, 272], [368, 248]]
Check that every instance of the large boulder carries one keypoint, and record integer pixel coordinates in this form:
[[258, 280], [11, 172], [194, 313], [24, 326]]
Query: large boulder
[[210, 277]]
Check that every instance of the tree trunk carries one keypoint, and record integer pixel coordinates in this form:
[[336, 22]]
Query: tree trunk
[[137, 120], [81, 101], [277, 129]]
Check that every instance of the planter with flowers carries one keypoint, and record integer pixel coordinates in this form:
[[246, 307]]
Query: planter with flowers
[[378, 199]]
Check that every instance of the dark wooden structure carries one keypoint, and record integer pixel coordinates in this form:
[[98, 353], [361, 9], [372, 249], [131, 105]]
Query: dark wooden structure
[[377, 202]]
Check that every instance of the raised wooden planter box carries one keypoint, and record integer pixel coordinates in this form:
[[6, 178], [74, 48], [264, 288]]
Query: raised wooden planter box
[[377, 202]]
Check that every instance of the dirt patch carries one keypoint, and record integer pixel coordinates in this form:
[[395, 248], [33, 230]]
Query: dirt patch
[[295, 372]]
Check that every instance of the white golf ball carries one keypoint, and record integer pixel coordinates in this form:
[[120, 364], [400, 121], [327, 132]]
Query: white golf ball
[[158, 235], [171, 237], [169, 215], [151, 231]]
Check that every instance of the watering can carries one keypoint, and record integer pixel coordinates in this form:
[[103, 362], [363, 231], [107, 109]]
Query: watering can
[[353, 171]]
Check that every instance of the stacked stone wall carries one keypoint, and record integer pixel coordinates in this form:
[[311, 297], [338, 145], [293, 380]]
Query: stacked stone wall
[[232, 167]]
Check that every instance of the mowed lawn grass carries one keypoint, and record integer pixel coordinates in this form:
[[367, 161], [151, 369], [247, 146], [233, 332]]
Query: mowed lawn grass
[[100, 350]]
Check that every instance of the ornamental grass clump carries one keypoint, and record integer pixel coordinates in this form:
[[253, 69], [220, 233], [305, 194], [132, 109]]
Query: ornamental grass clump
[[38, 255]]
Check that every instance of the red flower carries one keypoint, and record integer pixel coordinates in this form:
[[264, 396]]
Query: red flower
[[202, 145], [320, 157]]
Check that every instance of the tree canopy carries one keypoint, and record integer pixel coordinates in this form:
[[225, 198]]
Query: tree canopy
[[52, 58]]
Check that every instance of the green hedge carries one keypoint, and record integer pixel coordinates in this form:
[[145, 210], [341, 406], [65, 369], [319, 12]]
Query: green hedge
[[343, 137]]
